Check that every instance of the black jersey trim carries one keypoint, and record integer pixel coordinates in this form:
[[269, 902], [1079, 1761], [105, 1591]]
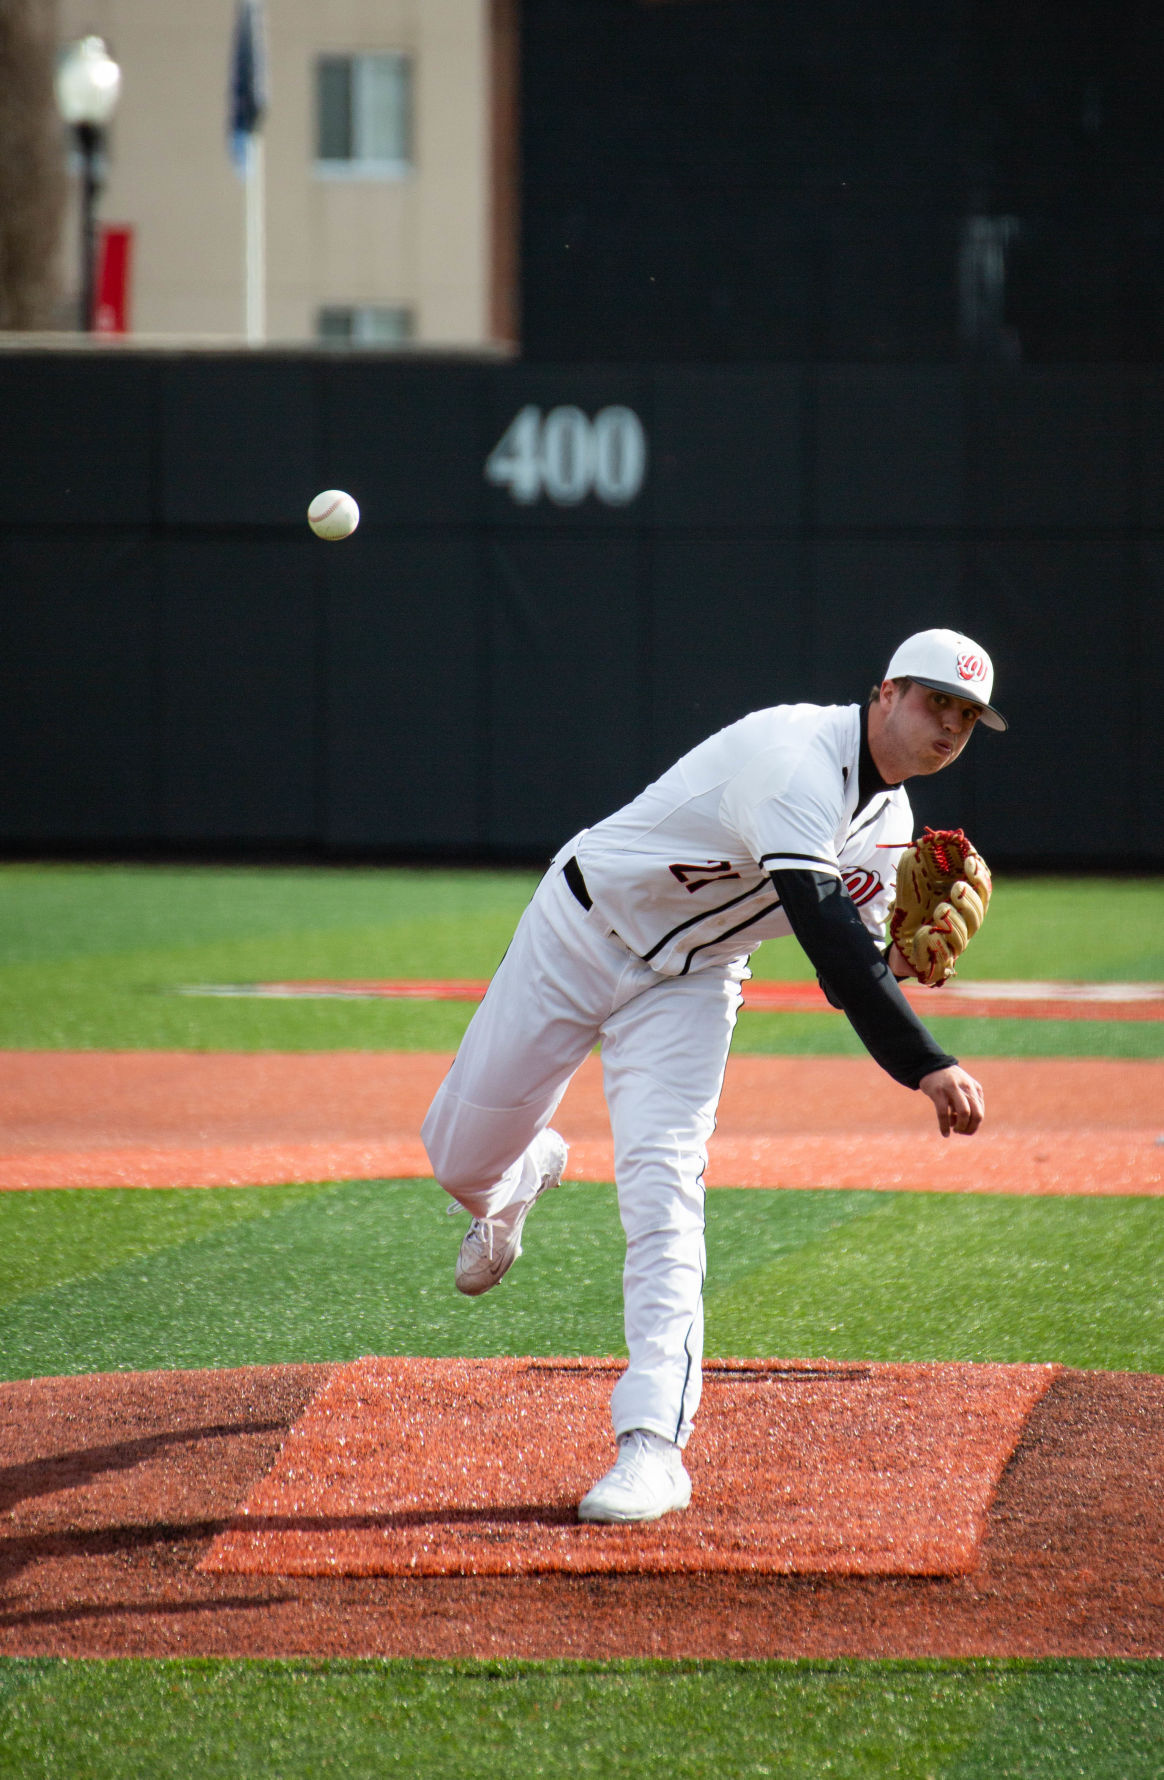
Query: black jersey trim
[[879, 811], [738, 928], [811, 858], [705, 915], [572, 872]]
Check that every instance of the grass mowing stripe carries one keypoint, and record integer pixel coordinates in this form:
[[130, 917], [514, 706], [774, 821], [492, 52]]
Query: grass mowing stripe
[[332, 1272], [71, 912], [1071, 1721], [961, 1277], [59, 1237], [852, 1720], [749, 1229], [335, 1271], [359, 1267]]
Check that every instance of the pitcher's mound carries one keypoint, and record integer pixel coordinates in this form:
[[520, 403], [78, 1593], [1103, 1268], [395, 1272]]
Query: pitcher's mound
[[409, 1467]]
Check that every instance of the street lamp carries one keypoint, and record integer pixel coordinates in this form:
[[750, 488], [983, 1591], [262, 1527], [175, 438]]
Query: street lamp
[[88, 82]]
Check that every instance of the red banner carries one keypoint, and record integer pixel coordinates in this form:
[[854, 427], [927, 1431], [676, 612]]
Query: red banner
[[114, 253]]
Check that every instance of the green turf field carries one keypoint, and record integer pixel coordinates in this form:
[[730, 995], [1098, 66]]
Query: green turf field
[[92, 957], [104, 1281], [665, 1721]]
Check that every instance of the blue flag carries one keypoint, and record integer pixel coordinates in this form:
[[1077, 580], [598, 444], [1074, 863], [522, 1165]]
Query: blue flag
[[248, 79]]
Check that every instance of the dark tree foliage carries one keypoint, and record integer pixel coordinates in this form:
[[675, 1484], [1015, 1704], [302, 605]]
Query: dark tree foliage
[[32, 173]]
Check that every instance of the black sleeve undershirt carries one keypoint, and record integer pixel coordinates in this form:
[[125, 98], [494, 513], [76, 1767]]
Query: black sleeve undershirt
[[855, 975]]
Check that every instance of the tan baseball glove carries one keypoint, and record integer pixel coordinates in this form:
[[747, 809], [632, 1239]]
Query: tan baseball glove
[[939, 903]]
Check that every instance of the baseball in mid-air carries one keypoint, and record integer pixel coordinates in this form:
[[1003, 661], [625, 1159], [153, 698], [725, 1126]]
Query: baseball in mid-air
[[333, 514]]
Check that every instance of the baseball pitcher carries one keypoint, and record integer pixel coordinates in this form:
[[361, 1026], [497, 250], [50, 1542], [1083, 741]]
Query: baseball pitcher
[[793, 820]]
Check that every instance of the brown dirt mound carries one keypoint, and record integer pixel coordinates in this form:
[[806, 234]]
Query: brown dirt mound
[[112, 1489], [474, 1467], [155, 1118]]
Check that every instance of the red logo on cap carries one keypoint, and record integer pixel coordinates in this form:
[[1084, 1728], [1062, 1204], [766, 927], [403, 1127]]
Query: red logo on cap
[[971, 667]]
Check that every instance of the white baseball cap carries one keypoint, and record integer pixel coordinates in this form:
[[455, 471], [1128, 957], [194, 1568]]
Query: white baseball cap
[[949, 662]]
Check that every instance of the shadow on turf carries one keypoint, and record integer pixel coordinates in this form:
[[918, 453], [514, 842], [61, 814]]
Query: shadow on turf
[[16, 1554], [69, 1470], [92, 1610]]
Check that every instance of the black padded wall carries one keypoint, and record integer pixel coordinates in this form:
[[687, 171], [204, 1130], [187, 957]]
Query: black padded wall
[[842, 181], [561, 580]]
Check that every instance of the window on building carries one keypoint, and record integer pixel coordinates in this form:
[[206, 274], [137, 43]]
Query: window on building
[[364, 325], [363, 116]]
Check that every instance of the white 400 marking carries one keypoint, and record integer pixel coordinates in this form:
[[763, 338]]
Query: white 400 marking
[[567, 456]]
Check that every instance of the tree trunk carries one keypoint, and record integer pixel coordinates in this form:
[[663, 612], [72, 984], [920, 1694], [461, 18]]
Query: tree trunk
[[32, 165]]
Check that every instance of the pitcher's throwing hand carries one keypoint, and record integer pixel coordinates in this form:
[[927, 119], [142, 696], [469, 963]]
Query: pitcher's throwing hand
[[958, 1100]]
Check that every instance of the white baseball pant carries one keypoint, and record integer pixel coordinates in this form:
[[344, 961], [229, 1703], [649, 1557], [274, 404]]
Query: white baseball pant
[[565, 984]]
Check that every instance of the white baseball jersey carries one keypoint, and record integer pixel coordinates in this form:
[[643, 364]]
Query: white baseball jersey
[[681, 873]]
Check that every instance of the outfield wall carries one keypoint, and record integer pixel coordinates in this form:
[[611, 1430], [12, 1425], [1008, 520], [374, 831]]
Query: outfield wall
[[501, 655]]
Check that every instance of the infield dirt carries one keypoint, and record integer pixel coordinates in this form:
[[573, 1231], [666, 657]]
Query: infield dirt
[[178, 1118], [114, 1489]]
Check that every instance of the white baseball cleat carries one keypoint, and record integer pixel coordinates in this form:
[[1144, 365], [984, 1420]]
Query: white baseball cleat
[[492, 1245], [646, 1482]]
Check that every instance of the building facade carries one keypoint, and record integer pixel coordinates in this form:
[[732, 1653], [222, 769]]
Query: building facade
[[380, 149]]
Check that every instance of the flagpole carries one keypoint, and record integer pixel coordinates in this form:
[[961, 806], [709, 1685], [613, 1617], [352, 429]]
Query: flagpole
[[247, 105], [256, 243]]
